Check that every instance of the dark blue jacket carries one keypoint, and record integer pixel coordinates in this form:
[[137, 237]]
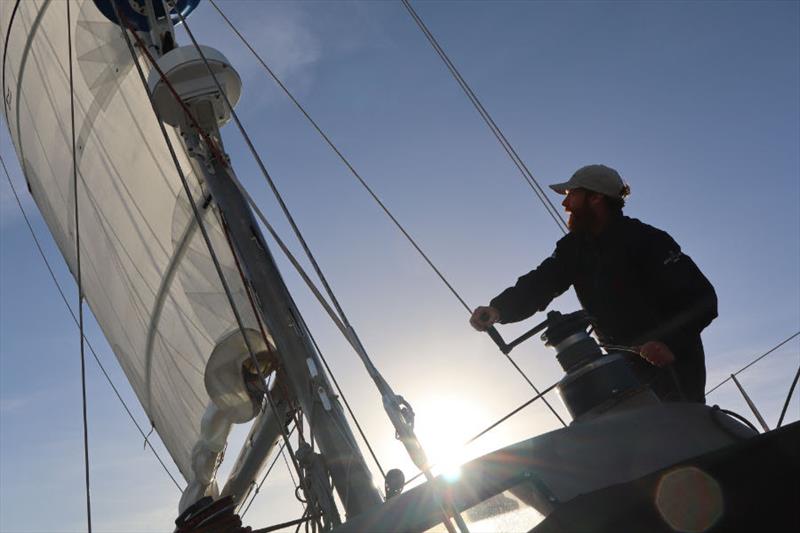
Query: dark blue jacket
[[638, 285]]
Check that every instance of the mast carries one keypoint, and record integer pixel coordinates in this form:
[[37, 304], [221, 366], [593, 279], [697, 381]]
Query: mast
[[303, 369], [197, 112]]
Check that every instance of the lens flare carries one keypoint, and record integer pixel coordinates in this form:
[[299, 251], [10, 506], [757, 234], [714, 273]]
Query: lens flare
[[689, 500]]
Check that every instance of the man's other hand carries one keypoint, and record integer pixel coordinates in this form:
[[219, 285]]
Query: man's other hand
[[657, 353], [483, 317]]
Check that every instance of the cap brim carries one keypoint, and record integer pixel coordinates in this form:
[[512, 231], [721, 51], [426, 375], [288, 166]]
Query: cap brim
[[560, 188]]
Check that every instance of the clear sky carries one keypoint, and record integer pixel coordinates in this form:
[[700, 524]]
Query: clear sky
[[697, 104]]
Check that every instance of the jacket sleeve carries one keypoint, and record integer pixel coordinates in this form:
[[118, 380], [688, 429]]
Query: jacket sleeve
[[683, 295], [535, 290]]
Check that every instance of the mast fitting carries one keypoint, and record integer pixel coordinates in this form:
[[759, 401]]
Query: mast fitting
[[186, 73]]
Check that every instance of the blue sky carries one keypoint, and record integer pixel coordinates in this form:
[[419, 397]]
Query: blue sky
[[696, 104]]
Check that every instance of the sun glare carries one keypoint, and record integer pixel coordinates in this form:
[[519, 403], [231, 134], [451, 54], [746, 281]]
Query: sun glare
[[442, 425]]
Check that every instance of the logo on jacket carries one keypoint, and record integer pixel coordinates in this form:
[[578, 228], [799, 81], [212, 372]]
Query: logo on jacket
[[673, 257]]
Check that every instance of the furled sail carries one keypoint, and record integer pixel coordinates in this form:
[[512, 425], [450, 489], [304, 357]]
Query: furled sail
[[147, 274]]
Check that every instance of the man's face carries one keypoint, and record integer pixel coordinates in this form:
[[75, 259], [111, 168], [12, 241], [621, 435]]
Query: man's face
[[581, 215]]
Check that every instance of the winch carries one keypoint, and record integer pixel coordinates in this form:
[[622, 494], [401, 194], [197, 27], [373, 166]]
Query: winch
[[595, 381]]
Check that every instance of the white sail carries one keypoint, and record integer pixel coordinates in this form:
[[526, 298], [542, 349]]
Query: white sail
[[146, 272]]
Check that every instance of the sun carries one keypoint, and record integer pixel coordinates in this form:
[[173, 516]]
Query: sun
[[443, 425]]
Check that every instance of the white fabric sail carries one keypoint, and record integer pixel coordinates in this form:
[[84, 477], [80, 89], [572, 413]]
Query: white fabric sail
[[147, 274]]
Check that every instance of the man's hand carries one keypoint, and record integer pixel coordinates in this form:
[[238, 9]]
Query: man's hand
[[483, 317], [656, 353]]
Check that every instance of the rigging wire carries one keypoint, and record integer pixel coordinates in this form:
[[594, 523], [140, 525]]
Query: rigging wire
[[751, 363], [247, 288], [788, 398], [297, 521], [299, 235], [264, 478], [192, 202], [355, 173], [222, 160], [75, 319], [347, 405], [497, 423], [344, 160], [554, 213], [78, 276], [349, 333]]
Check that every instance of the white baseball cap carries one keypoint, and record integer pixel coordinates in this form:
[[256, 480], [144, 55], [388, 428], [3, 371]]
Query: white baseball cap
[[597, 178]]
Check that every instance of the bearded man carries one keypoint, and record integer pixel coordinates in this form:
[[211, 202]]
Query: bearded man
[[631, 278]]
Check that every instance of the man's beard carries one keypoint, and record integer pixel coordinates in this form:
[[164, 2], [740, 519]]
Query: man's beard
[[581, 220]]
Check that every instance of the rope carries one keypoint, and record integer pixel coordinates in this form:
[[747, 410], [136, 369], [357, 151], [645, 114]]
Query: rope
[[79, 277], [75, 319], [754, 361], [535, 389], [495, 129], [512, 413]]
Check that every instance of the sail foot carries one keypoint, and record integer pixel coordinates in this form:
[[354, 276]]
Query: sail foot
[[232, 379], [207, 455], [263, 436], [234, 384]]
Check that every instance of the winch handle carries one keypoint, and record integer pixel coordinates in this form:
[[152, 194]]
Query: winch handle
[[507, 347]]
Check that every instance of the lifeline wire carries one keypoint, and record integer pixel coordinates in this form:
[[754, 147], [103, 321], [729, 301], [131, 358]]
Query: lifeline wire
[[78, 276], [75, 319], [200, 222], [297, 233], [487, 118], [751, 363]]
